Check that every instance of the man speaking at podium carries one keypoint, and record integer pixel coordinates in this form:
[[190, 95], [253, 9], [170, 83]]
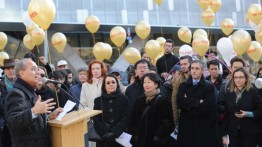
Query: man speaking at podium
[[25, 112]]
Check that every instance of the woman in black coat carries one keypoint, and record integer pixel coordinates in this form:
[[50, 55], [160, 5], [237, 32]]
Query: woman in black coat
[[115, 112], [242, 109], [152, 118]]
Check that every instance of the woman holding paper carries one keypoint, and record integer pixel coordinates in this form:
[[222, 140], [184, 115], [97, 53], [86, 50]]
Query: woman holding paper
[[243, 109], [115, 112]]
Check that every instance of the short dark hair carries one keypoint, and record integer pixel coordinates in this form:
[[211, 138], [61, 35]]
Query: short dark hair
[[153, 77], [199, 62], [56, 75], [170, 41], [213, 62], [143, 61], [237, 59], [30, 55], [68, 71], [209, 52], [189, 58], [103, 88], [258, 73]]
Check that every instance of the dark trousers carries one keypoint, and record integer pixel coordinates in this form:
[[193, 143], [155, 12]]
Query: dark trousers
[[243, 141], [5, 139]]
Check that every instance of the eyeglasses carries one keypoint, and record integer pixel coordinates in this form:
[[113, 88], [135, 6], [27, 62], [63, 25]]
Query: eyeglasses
[[241, 78], [112, 82], [142, 67], [42, 75]]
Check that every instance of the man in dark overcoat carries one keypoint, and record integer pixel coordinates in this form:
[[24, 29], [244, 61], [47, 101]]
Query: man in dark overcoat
[[26, 114], [197, 102]]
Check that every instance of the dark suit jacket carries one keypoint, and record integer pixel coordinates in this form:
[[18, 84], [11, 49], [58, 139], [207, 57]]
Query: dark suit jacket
[[250, 101], [25, 131]]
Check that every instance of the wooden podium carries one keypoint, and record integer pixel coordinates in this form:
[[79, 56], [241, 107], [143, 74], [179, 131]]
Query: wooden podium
[[69, 132]]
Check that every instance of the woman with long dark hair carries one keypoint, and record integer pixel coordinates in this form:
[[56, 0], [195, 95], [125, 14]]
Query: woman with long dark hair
[[115, 112]]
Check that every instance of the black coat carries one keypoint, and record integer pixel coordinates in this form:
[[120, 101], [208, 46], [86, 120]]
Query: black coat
[[114, 117], [166, 62], [250, 101], [156, 122], [25, 131], [197, 121], [46, 93]]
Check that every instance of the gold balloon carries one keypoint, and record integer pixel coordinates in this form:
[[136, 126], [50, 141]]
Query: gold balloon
[[241, 41], [3, 40], [28, 42], [185, 34], [227, 26], [208, 17], [143, 29], [99, 51], [3, 56], [132, 55], [38, 35], [203, 4], [254, 13], [109, 51], [30, 28], [92, 23], [159, 2], [59, 41], [255, 51], [118, 35], [42, 12], [200, 45], [152, 48], [215, 5], [157, 57], [258, 36], [199, 32], [161, 41]]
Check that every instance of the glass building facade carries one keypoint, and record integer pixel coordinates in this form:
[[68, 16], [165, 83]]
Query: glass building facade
[[169, 13]]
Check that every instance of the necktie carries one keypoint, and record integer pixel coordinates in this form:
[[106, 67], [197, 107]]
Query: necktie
[[195, 82]]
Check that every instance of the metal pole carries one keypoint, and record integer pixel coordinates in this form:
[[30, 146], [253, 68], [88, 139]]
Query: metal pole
[[46, 47]]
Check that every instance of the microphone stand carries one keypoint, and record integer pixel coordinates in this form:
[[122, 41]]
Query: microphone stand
[[74, 99]]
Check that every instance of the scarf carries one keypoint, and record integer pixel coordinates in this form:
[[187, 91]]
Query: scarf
[[8, 84], [150, 95], [96, 80], [239, 93]]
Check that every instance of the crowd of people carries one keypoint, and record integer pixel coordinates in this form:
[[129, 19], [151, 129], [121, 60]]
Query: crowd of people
[[179, 102]]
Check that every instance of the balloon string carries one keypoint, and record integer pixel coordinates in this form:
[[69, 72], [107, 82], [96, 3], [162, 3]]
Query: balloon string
[[38, 51], [94, 38], [161, 31], [49, 56]]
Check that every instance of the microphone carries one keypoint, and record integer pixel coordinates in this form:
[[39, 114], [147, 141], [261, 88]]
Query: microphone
[[258, 83], [74, 99], [45, 80]]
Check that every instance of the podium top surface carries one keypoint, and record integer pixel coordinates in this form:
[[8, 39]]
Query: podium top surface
[[74, 117]]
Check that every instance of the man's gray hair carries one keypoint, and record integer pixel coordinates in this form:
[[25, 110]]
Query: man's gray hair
[[200, 63], [21, 65]]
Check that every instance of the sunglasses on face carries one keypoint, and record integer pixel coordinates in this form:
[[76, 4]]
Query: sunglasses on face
[[42, 75], [112, 82]]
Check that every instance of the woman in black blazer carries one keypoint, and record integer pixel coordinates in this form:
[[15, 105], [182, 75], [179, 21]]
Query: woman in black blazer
[[243, 109]]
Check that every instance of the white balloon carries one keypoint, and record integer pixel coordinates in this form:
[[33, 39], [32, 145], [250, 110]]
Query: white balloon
[[225, 47], [185, 50], [254, 26], [258, 83], [26, 19]]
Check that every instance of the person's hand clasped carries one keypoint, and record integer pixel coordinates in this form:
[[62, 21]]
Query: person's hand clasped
[[43, 107], [241, 114]]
